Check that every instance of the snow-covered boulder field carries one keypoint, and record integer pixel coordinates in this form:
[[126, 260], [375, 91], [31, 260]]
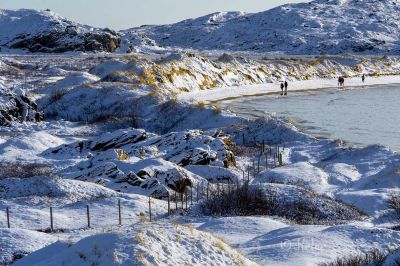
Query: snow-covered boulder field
[[134, 160]]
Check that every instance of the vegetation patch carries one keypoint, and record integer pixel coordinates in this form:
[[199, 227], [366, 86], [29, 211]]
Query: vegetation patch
[[290, 202], [19, 170]]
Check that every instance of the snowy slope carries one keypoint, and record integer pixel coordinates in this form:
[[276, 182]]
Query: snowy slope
[[45, 31], [319, 27], [147, 244]]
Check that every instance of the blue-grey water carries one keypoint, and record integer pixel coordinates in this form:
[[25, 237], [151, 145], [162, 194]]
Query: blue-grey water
[[363, 116]]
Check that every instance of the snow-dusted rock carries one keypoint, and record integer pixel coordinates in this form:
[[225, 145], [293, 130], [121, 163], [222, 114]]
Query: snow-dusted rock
[[16, 107], [134, 160], [45, 31]]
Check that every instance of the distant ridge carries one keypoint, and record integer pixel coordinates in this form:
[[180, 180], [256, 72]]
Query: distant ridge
[[318, 27]]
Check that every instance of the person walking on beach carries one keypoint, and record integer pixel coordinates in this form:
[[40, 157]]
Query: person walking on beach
[[341, 81], [282, 87], [363, 78], [286, 87]]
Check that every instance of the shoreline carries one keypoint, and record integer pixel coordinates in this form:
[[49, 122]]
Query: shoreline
[[226, 93]]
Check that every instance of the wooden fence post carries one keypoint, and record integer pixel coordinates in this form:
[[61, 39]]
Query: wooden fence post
[[176, 201], [51, 220], [197, 192], [208, 188], [244, 141], [8, 217], [182, 201], [150, 208], [169, 210], [186, 199], [191, 196], [88, 215], [119, 212]]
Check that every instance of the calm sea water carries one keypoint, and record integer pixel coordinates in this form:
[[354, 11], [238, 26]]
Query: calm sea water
[[363, 116]]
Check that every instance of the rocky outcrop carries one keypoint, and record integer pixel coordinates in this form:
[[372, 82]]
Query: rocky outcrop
[[60, 42], [17, 108], [52, 33], [135, 160]]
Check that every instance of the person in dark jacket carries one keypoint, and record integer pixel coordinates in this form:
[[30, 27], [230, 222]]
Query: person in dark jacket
[[286, 87], [363, 78], [282, 87]]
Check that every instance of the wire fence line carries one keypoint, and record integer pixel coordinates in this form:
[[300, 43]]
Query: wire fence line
[[119, 214]]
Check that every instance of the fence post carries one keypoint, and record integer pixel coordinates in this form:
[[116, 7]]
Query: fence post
[[176, 201], [208, 188], [119, 212], [197, 192], [244, 176], [191, 196], [263, 146], [8, 217], [51, 220], [258, 164], [266, 160], [186, 199], [150, 208], [169, 210], [244, 141], [88, 215], [182, 206]]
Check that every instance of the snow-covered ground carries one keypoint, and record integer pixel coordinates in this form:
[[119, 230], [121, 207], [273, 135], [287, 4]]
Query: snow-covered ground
[[118, 129], [304, 85]]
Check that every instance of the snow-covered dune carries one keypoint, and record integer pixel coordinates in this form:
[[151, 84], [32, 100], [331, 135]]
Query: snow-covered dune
[[146, 244]]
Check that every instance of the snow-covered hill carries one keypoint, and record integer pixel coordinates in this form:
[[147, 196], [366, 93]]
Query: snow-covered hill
[[318, 27], [45, 31]]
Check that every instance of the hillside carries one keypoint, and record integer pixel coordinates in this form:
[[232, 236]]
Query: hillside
[[318, 27], [47, 32]]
